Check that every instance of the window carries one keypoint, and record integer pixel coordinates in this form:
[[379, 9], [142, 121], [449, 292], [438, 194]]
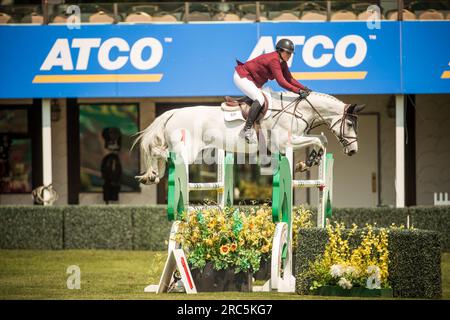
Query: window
[[105, 130], [15, 150], [249, 184]]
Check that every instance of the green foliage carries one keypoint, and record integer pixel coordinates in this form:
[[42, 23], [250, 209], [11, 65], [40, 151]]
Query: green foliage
[[147, 228], [228, 238], [436, 218], [84, 227], [382, 217], [151, 228], [97, 227], [31, 227]]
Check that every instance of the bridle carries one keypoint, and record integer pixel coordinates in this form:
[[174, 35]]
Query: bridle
[[344, 140]]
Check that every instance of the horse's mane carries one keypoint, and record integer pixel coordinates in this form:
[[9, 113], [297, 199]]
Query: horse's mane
[[326, 96], [294, 95]]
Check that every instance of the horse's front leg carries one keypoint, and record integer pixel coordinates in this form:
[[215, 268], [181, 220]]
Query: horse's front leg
[[317, 142]]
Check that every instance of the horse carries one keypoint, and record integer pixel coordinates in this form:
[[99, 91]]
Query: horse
[[190, 130]]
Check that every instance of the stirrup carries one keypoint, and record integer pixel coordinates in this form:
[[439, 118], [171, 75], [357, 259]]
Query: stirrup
[[249, 135]]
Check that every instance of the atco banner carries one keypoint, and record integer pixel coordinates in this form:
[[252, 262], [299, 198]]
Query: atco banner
[[426, 56], [342, 57], [175, 60]]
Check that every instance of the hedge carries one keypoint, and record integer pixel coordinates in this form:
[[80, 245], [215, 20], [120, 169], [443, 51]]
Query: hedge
[[415, 261], [383, 217], [151, 228], [147, 228], [84, 227], [436, 218], [98, 227], [31, 227]]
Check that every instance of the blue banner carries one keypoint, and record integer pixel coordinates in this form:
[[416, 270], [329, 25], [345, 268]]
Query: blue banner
[[177, 60], [344, 57], [426, 57]]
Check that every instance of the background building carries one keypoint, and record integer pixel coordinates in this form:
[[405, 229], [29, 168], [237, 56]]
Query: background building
[[68, 74]]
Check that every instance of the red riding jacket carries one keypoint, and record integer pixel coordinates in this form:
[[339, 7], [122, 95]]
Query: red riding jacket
[[268, 67]]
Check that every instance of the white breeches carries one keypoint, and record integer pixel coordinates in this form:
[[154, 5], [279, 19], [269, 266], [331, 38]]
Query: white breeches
[[248, 88]]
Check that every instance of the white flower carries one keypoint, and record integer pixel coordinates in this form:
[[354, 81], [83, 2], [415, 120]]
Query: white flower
[[336, 270], [373, 270], [351, 271], [374, 279], [345, 284]]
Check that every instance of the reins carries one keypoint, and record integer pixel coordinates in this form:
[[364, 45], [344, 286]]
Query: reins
[[343, 139]]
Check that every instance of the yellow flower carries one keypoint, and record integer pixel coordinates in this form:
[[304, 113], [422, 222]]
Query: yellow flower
[[224, 249], [233, 247], [212, 224]]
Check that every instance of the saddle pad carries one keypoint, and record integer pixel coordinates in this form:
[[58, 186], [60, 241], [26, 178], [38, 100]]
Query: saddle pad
[[229, 115]]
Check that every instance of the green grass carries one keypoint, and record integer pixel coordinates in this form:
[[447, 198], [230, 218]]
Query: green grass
[[26, 274]]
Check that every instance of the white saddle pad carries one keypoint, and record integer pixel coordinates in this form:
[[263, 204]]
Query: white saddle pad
[[234, 113]]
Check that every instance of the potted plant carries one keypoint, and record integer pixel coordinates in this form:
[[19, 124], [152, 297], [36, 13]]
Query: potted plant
[[347, 269], [224, 247]]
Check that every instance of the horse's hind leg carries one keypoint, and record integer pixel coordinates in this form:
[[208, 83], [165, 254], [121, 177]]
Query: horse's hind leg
[[161, 168], [152, 175]]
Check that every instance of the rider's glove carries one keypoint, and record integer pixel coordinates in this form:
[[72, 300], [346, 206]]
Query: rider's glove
[[303, 93]]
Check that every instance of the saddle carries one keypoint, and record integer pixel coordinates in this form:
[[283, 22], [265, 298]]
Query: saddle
[[238, 109], [244, 105]]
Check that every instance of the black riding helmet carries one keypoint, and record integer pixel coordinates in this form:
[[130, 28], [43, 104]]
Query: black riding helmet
[[286, 45]]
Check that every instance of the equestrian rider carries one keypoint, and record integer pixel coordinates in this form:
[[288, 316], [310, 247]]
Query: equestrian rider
[[252, 75]]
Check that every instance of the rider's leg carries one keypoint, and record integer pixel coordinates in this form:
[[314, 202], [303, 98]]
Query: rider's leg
[[255, 109], [254, 93]]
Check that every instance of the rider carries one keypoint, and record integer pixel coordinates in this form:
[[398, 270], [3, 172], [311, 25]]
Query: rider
[[252, 75]]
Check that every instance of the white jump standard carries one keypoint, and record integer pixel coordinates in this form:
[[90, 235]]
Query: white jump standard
[[281, 276]]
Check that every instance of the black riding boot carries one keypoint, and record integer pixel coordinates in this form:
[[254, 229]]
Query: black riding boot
[[248, 133]]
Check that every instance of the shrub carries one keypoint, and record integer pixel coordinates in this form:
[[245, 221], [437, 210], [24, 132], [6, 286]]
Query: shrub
[[414, 261]]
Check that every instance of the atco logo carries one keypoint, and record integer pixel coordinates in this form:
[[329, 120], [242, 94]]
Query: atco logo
[[61, 56], [318, 51]]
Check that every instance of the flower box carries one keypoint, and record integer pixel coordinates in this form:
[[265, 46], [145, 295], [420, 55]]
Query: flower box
[[210, 280], [264, 270], [353, 292]]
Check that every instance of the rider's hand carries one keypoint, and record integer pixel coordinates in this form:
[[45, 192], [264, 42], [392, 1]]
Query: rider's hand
[[303, 93]]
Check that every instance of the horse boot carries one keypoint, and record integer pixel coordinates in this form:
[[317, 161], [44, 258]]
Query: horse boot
[[318, 157], [312, 159], [248, 133]]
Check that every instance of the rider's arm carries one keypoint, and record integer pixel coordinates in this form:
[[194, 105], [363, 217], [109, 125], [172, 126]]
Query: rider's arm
[[277, 72], [288, 76]]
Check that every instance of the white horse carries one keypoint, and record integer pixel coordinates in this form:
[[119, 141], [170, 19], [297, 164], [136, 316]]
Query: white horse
[[192, 129]]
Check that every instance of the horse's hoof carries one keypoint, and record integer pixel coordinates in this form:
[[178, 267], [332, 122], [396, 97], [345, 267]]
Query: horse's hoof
[[142, 179], [301, 167]]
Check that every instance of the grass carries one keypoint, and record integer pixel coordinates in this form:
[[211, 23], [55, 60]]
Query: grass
[[26, 274]]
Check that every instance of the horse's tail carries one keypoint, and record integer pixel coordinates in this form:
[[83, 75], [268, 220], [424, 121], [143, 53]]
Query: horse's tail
[[153, 143]]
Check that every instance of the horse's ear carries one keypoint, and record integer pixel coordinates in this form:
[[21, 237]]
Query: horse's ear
[[359, 108], [355, 108]]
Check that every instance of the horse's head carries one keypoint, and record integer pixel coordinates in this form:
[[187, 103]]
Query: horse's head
[[318, 109], [345, 128]]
